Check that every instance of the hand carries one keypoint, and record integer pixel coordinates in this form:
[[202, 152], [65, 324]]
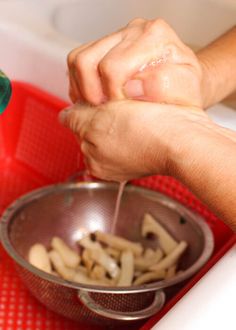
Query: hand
[[123, 140], [145, 60]]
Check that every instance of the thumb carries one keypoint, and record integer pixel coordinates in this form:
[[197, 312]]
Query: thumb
[[75, 117], [134, 89]]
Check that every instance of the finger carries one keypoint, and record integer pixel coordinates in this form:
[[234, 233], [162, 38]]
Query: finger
[[74, 92], [169, 83], [86, 148], [72, 96], [85, 67], [77, 118], [144, 45], [72, 54], [83, 62], [90, 161], [74, 88]]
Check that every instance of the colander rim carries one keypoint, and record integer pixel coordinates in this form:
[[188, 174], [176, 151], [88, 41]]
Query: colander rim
[[22, 201]]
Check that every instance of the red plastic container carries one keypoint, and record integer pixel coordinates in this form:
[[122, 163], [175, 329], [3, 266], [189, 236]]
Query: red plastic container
[[35, 150]]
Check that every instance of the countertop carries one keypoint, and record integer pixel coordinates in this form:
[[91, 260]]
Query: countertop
[[37, 55], [210, 304]]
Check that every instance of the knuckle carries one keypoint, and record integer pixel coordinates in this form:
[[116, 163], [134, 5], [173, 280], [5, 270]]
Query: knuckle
[[80, 61], [102, 124], [83, 60], [106, 67], [87, 135], [96, 124], [160, 22], [71, 57], [111, 70], [137, 21], [72, 123], [94, 167], [72, 95], [156, 26], [83, 148]]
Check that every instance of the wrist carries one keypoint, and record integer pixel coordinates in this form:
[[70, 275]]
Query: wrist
[[218, 62], [195, 137], [208, 78]]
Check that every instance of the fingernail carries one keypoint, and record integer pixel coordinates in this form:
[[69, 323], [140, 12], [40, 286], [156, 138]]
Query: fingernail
[[134, 88]]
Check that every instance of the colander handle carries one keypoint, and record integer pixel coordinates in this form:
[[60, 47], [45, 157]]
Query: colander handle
[[156, 305]]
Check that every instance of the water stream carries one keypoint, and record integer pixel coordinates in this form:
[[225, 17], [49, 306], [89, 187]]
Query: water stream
[[117, 207]]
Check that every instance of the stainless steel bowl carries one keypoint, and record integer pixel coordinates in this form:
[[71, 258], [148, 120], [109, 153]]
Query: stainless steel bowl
[[70, 210]]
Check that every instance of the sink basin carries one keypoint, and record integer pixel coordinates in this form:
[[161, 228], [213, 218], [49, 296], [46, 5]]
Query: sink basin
[[197, 22], [35, 42]]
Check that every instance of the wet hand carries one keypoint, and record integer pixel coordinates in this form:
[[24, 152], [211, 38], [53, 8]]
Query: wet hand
[[122, 140], [145, 60]]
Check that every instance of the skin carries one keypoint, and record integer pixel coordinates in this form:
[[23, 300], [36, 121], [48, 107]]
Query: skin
[[118, 146], [218, 61], [147, 60], [164, 130], [144, 60]]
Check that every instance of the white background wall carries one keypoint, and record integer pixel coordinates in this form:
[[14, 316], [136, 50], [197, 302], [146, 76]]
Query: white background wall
[[36, 35]]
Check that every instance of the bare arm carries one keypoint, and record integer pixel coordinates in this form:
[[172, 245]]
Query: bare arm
[[219, 68], [206, 164], [146, 60], [123, 140], [129, 139]]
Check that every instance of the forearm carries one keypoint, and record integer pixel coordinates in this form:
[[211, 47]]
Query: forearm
[[206, 164], [219, 68]]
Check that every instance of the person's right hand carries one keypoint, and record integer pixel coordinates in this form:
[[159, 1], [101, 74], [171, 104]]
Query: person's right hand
[[145, 60], [123, 140]]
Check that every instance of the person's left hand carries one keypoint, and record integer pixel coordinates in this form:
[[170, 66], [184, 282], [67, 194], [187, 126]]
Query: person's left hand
[[145, 60]]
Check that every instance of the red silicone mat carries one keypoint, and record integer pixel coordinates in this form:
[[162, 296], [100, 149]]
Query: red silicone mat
[[35, 150]]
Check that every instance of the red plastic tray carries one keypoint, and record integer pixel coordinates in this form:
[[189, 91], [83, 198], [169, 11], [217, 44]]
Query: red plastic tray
[[35, 150]]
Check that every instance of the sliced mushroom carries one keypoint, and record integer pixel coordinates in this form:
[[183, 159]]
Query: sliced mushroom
[[137, 273], [149, 277], [119, 243], [114, 253], [55, 273], [127, 269], [143, 263], [70, 257], [171, 272], [87, 260], [82, 269], [112, 260], [166, 241], [148, 253], [98, 255], [58, 263], [83, 279], [171, 259], [38, 257], [102, 258], [98, 272]]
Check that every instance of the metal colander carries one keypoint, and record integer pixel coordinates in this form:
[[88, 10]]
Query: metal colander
[[73, 209]]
